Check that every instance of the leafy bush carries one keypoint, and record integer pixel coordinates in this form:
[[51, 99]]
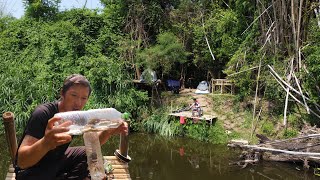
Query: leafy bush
[[217, 134], [37, 55], [290, 133], [267, 127], [197, 131]]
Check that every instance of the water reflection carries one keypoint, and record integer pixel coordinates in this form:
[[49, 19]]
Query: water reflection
[[158, 158]]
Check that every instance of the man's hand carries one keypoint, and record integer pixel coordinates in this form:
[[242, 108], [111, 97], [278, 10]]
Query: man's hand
[[32, 149], [55, 135], [105, 135]]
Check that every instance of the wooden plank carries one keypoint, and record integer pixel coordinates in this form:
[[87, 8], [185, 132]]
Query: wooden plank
[[11, 176], [110, 157], [11, 169], [188, 114], [123, 176], [120, 169], [120, 166]]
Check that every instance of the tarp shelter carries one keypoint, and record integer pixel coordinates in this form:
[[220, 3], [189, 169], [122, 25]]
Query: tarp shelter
[[148, 75], [203, 88], [173, 85]]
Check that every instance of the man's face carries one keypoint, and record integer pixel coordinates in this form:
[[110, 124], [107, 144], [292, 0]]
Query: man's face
[[75, 98]]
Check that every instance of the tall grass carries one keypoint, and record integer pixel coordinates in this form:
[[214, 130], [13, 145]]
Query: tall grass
[[160, 123]]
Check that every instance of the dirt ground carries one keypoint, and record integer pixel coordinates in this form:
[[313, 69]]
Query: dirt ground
[[231, 121], [186, 95]]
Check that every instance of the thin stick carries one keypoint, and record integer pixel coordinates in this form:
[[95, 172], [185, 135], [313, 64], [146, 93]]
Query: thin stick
[[291, 88], [287, 95], [304, 100], [244, 70], [255, 98], [282, 151], [205, 36], [256, 19], [292, 139], [294, 96]]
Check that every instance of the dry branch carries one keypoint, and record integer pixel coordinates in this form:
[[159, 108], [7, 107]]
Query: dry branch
[[304, 149]]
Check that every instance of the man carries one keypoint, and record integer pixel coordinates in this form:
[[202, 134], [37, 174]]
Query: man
[[44, 151], [195, 108]]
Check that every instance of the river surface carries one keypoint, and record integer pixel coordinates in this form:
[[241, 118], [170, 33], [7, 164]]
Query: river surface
[[159, 158]]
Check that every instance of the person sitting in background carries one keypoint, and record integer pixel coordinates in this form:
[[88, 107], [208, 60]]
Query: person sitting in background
[[43, 151], [195, 108]]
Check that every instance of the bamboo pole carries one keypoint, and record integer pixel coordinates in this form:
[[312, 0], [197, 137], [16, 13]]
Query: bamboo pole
[[205, 36], [10, 131], [256, 19], [244, 71], [255, 98], [304, 100], [309, 136], [298, 34], [294, 96], [299, 153], [287, 95], [291, 88]]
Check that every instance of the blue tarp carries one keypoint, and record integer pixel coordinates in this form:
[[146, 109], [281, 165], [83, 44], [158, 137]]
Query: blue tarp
[[173, 85]]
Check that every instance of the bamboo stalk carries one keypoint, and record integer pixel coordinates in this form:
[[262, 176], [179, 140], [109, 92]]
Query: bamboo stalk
[[281, 151], [298, 33], [256, 20], [304, 100], [294, 96], [205, 36], [292, 139], [255, 98], [287, 95], [244, 70], [291, 88], [10, 131]]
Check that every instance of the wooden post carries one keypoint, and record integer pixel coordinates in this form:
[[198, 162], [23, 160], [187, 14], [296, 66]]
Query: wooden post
[[10, 131], [222, 86]]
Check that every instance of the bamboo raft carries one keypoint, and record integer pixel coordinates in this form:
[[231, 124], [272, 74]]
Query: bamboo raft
[[119, 168]]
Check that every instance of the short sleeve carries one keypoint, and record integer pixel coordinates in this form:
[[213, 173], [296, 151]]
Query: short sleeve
[[39, 119], [37, 124]]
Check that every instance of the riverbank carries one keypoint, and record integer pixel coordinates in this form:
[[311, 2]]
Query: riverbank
[[235, 118]]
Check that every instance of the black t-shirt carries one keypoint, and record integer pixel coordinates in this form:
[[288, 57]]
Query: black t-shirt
[[36, 128]]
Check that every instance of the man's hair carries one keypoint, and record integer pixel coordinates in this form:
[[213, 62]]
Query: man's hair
[[73, 80]]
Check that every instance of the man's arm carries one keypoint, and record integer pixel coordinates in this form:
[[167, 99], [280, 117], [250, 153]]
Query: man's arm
[[32, 149], [105, 135]]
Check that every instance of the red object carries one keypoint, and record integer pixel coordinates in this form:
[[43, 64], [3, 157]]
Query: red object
[[182, 120], [181, 151]]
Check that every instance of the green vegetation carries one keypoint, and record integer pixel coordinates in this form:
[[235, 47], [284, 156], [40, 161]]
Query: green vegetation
[[180, 40]]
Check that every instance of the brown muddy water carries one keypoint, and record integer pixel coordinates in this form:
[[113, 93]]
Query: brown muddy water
[[159, 158]]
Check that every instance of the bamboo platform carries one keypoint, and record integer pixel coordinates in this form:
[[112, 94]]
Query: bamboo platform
[[188, 114], [120, 169], [11, 175]]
